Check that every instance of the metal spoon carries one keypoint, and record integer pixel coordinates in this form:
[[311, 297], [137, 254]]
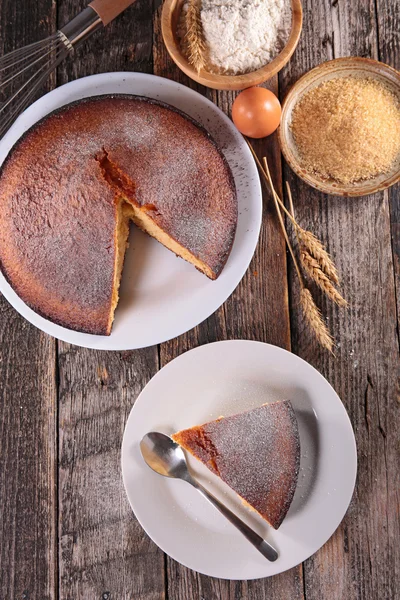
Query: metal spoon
[[167, 458]]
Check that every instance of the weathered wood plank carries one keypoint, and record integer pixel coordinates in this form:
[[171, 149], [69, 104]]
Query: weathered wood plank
[[104, 553], [28, 417], [363, 561], [124, 45], [185, 584], [258, 309], [25, 23], [28, 404], [388, 17]]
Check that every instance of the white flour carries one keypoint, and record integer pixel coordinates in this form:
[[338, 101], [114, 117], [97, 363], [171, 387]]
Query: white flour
[[244, 35]]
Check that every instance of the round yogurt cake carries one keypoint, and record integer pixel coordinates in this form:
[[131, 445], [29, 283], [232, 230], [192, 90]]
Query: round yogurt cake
[[70, 187]]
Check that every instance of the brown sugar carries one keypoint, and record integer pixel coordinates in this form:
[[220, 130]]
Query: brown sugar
[[347, 129]]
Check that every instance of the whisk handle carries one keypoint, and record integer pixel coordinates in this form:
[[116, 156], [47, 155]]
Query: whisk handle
[[109, 9]]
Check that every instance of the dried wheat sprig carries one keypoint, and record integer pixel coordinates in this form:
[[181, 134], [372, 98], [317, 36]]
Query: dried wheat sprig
[[316, 249], [310, 309], [291, 205], [307, 238], [264, 174], [194, 37], [282, 224], [313, 269], [314, 318]]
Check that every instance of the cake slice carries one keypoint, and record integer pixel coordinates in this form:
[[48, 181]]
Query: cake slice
[[257, 453]]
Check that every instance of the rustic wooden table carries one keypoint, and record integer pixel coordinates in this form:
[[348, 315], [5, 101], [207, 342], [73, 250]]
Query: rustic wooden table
[[66, 528]]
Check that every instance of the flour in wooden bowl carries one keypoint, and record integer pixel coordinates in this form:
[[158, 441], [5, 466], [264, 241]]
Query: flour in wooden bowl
[[240, 36]]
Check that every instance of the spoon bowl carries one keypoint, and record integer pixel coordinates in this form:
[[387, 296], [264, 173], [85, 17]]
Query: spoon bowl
[[164, 456]]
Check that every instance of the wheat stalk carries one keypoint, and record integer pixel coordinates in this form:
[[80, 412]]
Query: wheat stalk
[[307, 238], [310, 309], [314, 318], [313, 269], [282, 224], [194, 37], [316, 249]]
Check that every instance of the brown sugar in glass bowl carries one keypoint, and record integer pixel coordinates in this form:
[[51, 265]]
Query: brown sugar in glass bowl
[[363, 176], [169, 25]]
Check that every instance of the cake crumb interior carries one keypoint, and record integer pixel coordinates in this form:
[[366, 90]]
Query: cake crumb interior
[[121, 235]]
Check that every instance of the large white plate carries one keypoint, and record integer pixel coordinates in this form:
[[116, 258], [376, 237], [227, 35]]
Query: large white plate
[[221, 379], [161, 295]]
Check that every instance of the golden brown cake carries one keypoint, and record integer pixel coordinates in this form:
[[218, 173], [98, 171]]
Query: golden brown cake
[[70, 186], [257, 453]]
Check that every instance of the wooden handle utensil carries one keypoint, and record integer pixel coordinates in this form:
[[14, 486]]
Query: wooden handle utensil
[[109, 9]]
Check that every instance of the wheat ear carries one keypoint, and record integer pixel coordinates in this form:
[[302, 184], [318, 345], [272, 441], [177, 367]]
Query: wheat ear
[[314, 246], [314, 318], [313, 269], [318, 251], [310, 309], [194, 37]]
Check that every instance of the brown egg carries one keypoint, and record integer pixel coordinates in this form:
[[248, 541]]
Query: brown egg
[[256, 112]]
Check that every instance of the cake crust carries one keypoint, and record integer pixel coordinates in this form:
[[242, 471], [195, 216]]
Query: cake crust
[[257, 453], [59, 214]]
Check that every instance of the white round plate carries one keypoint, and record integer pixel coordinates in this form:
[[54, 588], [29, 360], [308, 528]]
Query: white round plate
[[222, 379], [161, 295]]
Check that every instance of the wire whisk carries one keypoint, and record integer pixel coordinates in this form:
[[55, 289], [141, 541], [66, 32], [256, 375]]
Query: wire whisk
[[24, 71], [15, 94]]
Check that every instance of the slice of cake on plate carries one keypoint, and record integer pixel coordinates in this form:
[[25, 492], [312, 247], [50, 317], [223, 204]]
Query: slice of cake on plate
[[257, 453]]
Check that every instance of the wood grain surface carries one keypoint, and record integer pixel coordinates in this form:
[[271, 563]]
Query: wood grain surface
[[28, 403], [388, 29], [66, 527], [364, 561]]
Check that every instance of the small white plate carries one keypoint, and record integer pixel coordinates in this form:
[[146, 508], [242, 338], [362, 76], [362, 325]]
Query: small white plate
[[162, 296], [222, 379]]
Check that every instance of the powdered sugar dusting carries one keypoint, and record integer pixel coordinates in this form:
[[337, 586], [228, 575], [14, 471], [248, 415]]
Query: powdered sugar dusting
[[257, 453], [179, 170], [58, 213]]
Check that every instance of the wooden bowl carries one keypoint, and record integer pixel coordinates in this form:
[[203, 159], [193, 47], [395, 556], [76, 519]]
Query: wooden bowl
[[169, 21], [358, 67]]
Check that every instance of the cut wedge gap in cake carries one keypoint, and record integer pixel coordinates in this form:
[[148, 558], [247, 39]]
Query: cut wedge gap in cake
[[256, 453], [142, 215]]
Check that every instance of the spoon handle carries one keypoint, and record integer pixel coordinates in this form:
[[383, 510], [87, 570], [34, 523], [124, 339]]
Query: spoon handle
[[258, 542]]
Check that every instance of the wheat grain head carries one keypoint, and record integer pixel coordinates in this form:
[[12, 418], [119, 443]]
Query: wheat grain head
[[194, 37], [319, 253], [313, 269], [314, 319]]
